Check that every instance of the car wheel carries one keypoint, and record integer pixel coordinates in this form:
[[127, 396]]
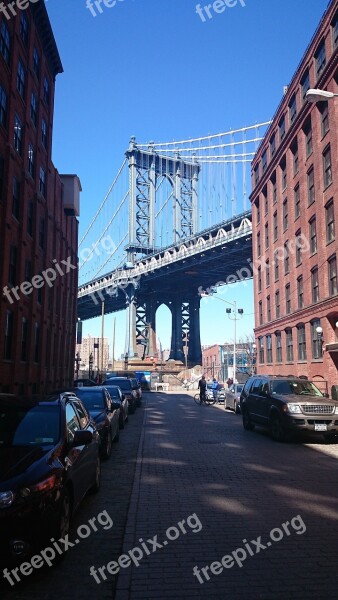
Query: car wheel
[[225, 403], [277, 429], [331, 438], [247, 423], [106, 453], [235, 408], [117, 436], [96, 486]]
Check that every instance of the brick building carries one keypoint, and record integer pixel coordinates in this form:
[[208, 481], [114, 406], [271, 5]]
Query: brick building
[[295, 221], [93, 346], [38, 209], [218, 360]]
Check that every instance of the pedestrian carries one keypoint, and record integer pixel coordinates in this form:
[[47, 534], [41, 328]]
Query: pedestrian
[[214, 388], [202, 386], [228, 382]]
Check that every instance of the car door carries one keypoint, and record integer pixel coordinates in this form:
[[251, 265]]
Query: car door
[[253, 399], [87, 425], [78, 458], [263, 402]]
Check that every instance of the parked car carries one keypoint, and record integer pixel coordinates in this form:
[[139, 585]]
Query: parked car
[[119, 399], [49, 456], [125, 385], [137, 388], [84, 382], [232, 397], [286, 405], [105, 413]]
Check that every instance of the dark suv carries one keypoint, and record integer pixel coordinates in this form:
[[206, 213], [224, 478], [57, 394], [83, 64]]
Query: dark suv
[[286, 404]]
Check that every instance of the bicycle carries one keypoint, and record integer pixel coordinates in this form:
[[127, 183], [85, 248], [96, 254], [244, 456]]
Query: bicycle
[[209, 401]]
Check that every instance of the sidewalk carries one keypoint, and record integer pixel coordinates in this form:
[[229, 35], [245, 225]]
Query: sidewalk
[[198, 460]]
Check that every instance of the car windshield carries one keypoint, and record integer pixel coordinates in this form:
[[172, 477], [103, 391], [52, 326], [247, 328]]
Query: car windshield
[[92, 399], [29, 426], [124, 384], [113, 391], [298, 388]]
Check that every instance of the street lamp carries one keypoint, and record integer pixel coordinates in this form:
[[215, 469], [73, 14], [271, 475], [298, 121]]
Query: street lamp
[[254, 358], [315, 95]]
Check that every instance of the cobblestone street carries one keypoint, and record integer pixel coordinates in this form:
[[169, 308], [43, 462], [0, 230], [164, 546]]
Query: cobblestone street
[[202, 485]]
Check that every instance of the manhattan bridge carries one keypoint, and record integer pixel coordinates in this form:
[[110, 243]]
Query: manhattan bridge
[[178, 214]]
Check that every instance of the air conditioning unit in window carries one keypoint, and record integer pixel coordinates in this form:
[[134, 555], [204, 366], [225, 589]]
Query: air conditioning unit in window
[[71, 194]]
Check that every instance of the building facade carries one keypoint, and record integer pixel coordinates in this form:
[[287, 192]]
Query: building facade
[[218, 360], [92, 346], [38, 209], [295, 222]]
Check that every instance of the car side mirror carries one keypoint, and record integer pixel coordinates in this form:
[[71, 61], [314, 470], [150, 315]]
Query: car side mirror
[[82, 438]]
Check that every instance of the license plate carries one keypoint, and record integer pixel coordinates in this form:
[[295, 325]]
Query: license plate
[[320, 427]]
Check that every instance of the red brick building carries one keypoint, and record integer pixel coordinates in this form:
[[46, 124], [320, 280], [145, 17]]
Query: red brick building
[[38, 208], [295, 221]]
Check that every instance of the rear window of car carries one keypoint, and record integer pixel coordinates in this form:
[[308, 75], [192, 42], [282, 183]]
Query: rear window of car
[[123, 384], [29, 426], [92, 399], [113, 391]]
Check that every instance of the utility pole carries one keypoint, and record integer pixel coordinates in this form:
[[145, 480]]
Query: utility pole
[[114, 329], [102, 336]]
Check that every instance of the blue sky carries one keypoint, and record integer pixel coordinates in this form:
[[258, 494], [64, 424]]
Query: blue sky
[[154, 69]]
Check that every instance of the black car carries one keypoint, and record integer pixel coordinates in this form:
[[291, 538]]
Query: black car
[[286, 405], [49, 460], [105, 413], [126, 387], [120, 400]]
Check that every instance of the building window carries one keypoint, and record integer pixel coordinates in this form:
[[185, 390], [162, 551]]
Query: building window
[[260, 311], [39, 295], [8, 335], [329, 221], [28, 270], [298, 247], [332, 272], [276, 260], [272, 145], [278, 346], [286, 258], [268, 349], [264, 161], [24, 332], [314, 284], [285, 215], [266, 235], [313, 235], [44, 133], [3, 107], [305, 83], [46, 95], [261, 350], [335, 32], [301, 342], [34, 109], [36, 63], [287, 299], [20, 79], [274, 188], [289, 345], [317, 346], [259, 277], [30, 217], [268, 308], [294, 150], [281, 127], [36, 342], [297, 201], [293, 109], [277, 303], [283, 173], [2, 178], [265, 199], [5, 42], [320, 57], [42, 181], [311, 186], [24, 27], [323, 108], [327, 171], [42, 233], [275, 227], [267, 267], [16, 198], [258, 244], [31, 160], [12, 267], [258, 212], [300, 293], [308, 137], [17, 135]]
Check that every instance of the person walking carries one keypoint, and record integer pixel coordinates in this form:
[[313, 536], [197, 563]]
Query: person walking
[[202, 386], [214, 388]]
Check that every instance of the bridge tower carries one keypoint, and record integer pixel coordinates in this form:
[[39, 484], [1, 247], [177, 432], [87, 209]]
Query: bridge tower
[[145, 169]]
